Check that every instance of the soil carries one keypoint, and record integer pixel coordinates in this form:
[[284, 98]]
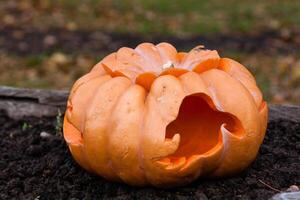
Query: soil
[[35, 167]]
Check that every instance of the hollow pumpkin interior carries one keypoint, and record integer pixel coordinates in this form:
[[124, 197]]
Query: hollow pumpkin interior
[[199, 123]]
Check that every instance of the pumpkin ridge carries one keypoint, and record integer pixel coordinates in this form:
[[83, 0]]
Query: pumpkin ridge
[[83, 80], [74, 113], [97, 122], [141, 50], [124, 129], [166, 50], [241, 74]]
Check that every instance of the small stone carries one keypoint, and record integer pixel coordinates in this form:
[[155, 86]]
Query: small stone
[[293, 188], [287, 196], [44, 134], [200, 195]]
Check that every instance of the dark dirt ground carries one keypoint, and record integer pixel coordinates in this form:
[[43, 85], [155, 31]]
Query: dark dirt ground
[[32, 167], [32, 41]]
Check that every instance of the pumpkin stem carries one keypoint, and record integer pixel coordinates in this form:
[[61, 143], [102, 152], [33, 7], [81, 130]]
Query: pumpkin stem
[[168, 65]]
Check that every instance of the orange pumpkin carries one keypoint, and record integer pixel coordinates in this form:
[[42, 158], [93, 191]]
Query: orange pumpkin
[[155, 116]]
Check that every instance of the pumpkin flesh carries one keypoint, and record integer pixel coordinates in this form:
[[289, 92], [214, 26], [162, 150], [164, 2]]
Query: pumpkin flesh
[[199, 127]]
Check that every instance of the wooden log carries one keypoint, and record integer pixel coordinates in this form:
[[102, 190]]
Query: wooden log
[[20, 102]]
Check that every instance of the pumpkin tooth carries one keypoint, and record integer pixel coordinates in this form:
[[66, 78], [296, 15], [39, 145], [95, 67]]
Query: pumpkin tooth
[[171, 145], [176, 163], [172, 163], [237, 131], [164, 162], [191, 161]]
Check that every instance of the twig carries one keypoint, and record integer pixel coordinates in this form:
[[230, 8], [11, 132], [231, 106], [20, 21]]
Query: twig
[[269, 186]]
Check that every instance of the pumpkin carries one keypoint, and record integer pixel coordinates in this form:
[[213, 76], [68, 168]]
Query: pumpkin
[[155, 116]]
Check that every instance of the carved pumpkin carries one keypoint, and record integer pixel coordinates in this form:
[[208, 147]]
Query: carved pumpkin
[[155, 116]]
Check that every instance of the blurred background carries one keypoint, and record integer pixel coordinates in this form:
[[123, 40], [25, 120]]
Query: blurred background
[[50, 43]]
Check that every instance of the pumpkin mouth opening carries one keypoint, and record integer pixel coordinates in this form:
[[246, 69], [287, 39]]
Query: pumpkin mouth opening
[[199, 125]]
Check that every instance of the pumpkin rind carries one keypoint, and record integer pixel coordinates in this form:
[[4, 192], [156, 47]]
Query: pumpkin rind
[[119, 116]]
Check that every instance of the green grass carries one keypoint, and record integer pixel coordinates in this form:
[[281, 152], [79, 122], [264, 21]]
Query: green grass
[[168, 17]]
